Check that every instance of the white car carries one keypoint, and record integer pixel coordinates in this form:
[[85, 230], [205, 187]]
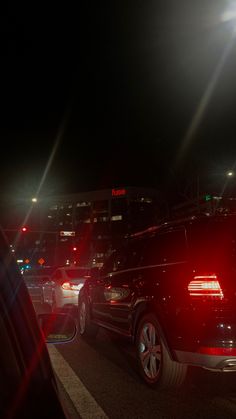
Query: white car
[[62, 289]]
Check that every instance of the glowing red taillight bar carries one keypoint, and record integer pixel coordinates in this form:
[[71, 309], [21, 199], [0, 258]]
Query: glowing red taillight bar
[[217, 351], [205, 286]]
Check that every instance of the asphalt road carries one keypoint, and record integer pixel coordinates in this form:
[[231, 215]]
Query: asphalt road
[[99, 379]]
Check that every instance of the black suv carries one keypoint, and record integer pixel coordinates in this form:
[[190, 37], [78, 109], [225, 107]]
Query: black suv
[[172, 290]]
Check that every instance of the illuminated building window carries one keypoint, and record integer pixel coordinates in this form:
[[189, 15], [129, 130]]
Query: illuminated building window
[[53, 208], [103, 219], [99, 255], [83, 204], [143, 199], [116, 217]]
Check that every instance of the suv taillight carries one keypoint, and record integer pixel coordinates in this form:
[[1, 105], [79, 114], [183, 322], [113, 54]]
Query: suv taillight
[[205, 286]]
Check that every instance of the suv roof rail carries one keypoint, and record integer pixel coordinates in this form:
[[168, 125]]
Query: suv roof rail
[[168, 223], [146, 231], [179, 220]]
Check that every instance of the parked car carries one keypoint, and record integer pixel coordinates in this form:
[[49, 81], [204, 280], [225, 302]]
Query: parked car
[[28, 387], [172, 291], [55, 288], [62, 288]]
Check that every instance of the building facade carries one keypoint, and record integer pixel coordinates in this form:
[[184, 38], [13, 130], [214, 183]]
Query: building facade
[[85, 227]]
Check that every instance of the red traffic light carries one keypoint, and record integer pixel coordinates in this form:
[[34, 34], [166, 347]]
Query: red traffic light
[[24, 229]]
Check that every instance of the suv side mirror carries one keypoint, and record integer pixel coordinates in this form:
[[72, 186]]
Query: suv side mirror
[[57, 328]]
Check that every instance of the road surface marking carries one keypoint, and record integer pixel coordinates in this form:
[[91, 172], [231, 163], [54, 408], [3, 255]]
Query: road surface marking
[[84, 403]]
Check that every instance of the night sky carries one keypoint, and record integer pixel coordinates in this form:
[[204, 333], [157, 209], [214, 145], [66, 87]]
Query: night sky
[[113, 87]]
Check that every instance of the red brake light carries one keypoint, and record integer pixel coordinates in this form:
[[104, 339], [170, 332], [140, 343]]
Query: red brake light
[[205, 286], [66, 286], [217, 351]]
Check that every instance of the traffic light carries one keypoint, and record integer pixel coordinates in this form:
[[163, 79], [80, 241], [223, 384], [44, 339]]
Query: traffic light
[[207, 197], [24, 229]]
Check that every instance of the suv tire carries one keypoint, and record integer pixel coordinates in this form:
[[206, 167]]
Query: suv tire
[[86, 328], [155, 364]]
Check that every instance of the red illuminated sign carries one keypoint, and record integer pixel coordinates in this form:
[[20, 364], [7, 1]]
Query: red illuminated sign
[[118, 192]]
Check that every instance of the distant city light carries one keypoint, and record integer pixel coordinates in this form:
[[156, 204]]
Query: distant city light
[[34, 200], [230, 173], [229, 16], [230, 13]]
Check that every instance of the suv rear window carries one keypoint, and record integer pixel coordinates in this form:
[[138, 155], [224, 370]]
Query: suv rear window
[[77, 273], [213, 241]]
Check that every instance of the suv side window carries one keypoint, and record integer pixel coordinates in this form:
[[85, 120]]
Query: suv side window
[[133, 253], [169, 247], [108, 265], [125, 257], [115, 262]]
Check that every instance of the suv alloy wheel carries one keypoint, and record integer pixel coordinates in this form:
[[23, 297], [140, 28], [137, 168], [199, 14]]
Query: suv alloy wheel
[[155, 364]]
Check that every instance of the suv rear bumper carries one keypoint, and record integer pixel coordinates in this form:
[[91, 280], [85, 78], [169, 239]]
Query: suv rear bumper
[[222, 363]]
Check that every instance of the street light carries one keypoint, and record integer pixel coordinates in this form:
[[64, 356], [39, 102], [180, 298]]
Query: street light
[[34, 200], [230, 13], [229, 16], [230, 173]]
